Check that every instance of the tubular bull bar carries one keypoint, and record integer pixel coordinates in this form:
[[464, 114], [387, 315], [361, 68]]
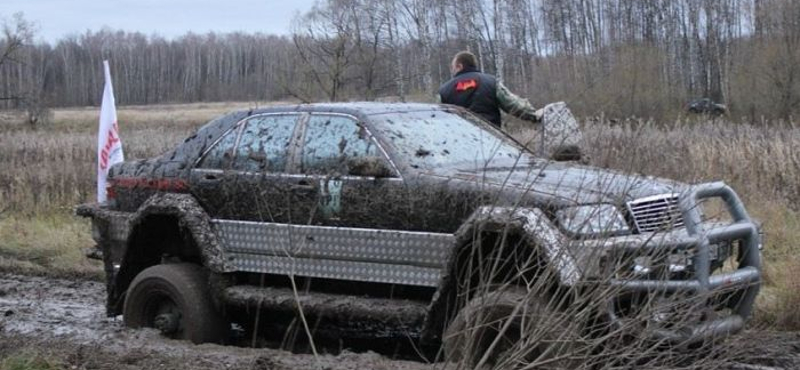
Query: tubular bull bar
[[744, 281]]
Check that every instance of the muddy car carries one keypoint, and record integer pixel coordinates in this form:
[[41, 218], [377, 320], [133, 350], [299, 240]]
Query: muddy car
[[706, 106], [410, 221]]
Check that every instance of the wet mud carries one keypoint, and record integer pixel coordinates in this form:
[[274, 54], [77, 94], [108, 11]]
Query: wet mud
[[65, 322]]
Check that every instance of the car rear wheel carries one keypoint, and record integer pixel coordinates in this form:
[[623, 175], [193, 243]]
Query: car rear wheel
[[174, 298], [512, 336]]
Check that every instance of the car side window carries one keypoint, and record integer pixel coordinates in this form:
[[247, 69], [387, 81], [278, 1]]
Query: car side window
[[264, 142], [221, 155], [332, 144]]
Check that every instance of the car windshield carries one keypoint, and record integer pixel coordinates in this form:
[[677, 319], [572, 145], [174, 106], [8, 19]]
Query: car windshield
[[436, 139]]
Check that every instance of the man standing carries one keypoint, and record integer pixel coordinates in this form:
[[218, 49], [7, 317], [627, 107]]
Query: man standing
[[481, 93]]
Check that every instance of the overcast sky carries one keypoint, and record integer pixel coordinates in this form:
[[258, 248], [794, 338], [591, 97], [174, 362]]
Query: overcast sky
[[168, 18]]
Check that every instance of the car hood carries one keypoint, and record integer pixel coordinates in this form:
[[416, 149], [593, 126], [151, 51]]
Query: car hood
[[569, 183]]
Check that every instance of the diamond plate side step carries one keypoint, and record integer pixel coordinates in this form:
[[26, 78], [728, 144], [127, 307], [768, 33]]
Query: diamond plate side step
[[374, 317]]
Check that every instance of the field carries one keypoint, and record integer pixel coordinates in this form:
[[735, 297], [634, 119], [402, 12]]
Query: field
[[48, 170]]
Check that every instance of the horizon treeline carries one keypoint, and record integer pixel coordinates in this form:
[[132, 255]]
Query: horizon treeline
[[618, 58]]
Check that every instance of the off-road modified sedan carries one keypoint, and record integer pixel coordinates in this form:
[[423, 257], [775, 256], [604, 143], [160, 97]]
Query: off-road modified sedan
[[419, 224]]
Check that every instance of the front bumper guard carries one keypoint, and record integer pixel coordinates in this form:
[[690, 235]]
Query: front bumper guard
[[745, 281]]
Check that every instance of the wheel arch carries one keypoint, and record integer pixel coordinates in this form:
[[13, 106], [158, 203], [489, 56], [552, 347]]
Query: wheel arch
[[533, 232], [168, 224]]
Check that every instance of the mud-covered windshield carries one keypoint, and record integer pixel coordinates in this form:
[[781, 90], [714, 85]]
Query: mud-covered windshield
[[435, 139]]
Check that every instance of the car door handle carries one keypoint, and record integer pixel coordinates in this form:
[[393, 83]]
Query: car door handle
[[302, 186], [209, 178]]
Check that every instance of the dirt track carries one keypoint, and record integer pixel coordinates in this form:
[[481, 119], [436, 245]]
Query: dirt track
[[65, 320]]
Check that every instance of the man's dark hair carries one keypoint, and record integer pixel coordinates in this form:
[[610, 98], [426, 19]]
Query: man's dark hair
[[467, 59]]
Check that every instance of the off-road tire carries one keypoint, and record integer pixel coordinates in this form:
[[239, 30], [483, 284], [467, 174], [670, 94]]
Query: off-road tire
[[477, 324], [183, 285]]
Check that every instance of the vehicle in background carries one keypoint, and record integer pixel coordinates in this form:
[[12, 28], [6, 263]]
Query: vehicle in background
[[706, 106]]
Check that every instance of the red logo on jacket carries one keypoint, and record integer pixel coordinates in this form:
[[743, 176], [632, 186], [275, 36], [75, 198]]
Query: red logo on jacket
[[465, 85]]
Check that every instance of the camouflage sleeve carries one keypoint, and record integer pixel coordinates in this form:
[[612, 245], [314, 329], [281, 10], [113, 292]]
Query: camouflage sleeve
[[516, 105]]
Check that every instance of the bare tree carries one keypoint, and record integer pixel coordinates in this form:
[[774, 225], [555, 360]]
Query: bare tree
[[324, 43], [29, 94], [17, 35], [618, 57]]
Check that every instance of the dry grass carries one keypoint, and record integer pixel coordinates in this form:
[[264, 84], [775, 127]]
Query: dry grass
[[47, 171], [47, 245], [28, 361]]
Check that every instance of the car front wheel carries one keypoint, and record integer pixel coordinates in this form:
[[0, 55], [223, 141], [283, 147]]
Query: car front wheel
[[174, 298], [511, 329]]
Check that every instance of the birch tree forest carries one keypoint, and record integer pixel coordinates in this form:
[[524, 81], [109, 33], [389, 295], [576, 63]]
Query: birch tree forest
[[618, 58]]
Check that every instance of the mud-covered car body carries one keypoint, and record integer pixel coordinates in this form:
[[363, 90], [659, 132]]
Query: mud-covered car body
[[378, 201]]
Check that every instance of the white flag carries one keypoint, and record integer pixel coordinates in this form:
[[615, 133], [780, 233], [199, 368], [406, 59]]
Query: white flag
[[109, 145]]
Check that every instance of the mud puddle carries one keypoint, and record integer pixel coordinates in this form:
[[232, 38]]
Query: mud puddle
[[53, 307], [65, 319]]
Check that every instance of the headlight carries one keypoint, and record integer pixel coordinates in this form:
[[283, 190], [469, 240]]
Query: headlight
[[592, 219]]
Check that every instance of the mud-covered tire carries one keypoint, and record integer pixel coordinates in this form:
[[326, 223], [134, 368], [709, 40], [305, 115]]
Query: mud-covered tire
[[175, 299], [475, 327]]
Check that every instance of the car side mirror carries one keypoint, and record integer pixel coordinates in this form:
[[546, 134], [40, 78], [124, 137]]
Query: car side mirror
[[368, 167], [560, 134]]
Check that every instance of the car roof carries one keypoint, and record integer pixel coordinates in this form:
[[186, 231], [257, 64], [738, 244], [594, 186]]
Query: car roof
[[352, 108]]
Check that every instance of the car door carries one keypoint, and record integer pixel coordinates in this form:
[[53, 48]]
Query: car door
[[335, 149], [244, 175]]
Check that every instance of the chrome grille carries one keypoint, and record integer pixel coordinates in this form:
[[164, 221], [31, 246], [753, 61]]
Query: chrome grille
[[656, 213]]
